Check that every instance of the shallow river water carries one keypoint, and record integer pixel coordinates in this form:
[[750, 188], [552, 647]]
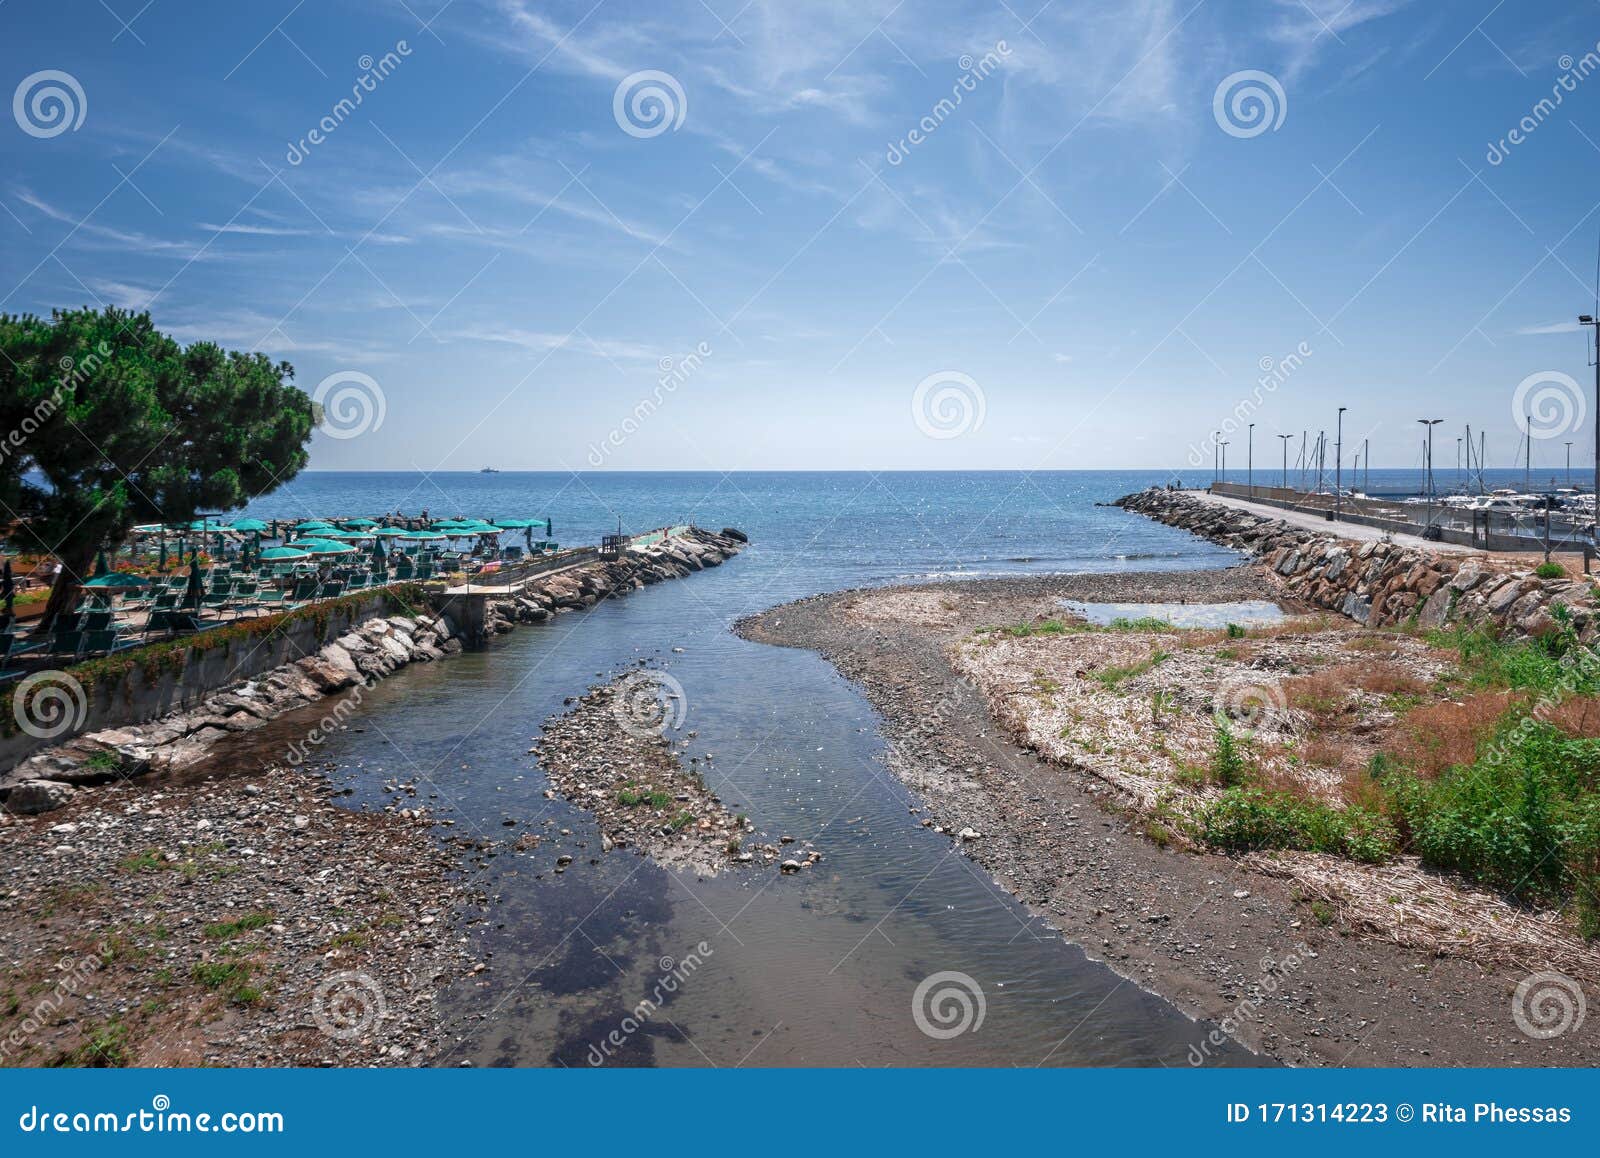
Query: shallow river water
[[874, 957]]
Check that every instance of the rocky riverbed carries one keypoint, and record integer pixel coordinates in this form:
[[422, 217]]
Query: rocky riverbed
[[612, 754], [225, 922], [1194, 926]]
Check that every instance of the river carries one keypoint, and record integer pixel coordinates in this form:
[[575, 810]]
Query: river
[[751, 967]]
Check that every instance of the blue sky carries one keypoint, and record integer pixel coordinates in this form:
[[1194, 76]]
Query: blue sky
[[1093, 251]]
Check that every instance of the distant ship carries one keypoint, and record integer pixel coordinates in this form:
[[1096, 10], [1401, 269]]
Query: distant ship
[[489, 470]]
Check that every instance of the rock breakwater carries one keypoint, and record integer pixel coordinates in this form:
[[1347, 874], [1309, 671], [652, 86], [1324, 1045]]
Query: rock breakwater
[[1381, 583]]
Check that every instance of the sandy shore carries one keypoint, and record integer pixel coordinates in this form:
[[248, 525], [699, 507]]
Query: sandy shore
[[1205, 931]]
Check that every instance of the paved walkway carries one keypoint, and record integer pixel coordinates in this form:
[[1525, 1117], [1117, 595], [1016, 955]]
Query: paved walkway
[[1314, 521]]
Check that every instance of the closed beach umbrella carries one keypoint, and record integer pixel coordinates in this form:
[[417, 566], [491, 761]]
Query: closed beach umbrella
[[380, 560], [161, 560], [8, 588], [101, 567], [195, 591]]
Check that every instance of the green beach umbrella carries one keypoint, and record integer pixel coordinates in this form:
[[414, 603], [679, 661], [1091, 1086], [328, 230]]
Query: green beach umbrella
[[283, 554], [516, 524], [357, 524], [390, 532], [117, 579], [424, 536], [249, 525], [323, 547], [313, 525]]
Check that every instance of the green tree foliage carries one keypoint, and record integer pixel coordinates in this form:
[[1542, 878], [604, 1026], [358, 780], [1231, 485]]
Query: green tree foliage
[[106, 423]]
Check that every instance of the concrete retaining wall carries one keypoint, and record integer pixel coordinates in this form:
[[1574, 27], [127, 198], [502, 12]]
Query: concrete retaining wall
[[149, 691]]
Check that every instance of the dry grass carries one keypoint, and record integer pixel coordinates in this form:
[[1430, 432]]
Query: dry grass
[[1578, 716], [1437, 736]]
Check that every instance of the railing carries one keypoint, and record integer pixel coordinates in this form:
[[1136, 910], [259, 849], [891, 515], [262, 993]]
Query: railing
[[1488, 530]]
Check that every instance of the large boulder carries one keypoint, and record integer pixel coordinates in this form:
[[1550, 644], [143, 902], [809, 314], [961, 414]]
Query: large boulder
[[32, 797]]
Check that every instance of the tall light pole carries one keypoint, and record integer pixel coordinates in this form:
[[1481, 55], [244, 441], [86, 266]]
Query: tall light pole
[[1366, 460], [1458, 460], [1216, 457], [1569, 466], [1586, 320], [1223, 445], [1428, 424], [1338, 466], [1284, 438], [1250, 459]]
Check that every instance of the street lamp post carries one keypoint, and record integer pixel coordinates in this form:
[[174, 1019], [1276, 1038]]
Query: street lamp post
[[1284, 438], [1428, 424], [1338, 467], [1250, 459], [1216, 457], [1224, 446], [1569, 466]]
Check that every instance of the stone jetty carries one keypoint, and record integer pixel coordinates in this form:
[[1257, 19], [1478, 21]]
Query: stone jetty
[[1380, 583], [344, 668]]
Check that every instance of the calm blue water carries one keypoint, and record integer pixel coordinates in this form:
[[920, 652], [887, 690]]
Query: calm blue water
[[809, 532], [816, 969]]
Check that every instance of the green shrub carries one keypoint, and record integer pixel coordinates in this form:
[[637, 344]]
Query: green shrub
[[1524, 818], [1227, 761], [1247, 819], [1550, 571]]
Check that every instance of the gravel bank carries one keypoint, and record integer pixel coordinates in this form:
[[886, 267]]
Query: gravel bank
[[1200, 929], [611, 755], [225, 923]]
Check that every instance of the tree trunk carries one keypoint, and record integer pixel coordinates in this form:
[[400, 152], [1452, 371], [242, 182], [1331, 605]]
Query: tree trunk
[[75, 562]]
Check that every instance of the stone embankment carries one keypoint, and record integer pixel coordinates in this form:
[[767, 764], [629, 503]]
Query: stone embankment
[[582, 587], [345, 668], [1383, 584]]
